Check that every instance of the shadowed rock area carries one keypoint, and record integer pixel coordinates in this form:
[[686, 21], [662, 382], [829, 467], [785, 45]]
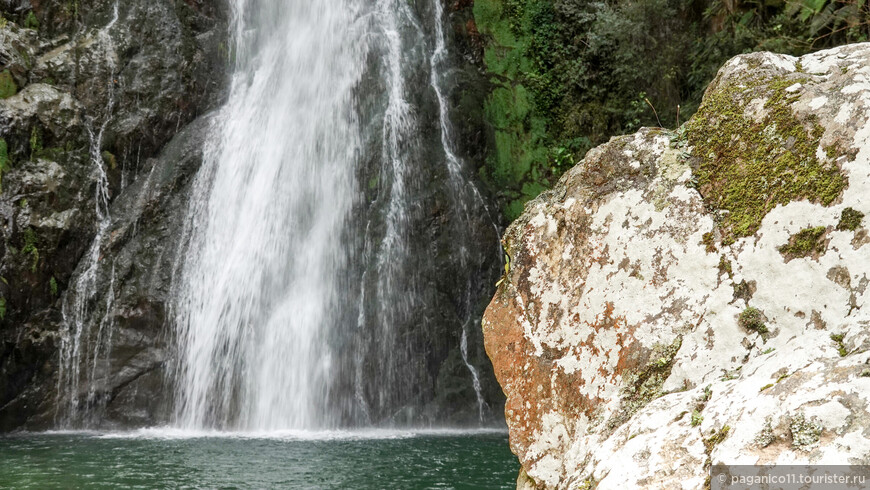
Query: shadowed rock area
[[93, 92], [688, 298]]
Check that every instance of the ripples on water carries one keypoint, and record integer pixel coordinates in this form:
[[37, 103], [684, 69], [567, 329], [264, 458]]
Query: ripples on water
[[157, 458]]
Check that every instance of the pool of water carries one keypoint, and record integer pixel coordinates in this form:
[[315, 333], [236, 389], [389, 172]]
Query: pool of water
[[164, 458]]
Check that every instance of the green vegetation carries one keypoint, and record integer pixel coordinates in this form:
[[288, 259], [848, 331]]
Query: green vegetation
[[110, 160], [30, 248], [645, 384], [52, 287], [841, 347], [31, 22], [805, 243], [567, 75], [8, 88], [35, 142], [716, 437], [697, 418], [2, 308], [5, 162], [804, 432], [850, 220], [752, 319], [747, 167], [766, 437], [725, 266], [771, 385]]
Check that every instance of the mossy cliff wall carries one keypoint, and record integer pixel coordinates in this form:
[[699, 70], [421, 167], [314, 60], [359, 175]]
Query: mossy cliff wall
[[687, 298], [565, 75], [519, 164]]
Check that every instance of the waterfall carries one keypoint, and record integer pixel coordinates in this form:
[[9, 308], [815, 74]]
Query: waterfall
[[261, 281], [304, 288]]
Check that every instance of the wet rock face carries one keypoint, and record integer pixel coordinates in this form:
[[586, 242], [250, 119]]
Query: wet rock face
[[654, 320], [93, 88]]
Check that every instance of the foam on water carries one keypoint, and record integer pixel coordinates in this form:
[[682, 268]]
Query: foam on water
[[175, 433]]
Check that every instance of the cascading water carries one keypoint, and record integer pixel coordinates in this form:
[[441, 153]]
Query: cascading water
[[82, 354], [464, 193], [305, 288], [262, 280]]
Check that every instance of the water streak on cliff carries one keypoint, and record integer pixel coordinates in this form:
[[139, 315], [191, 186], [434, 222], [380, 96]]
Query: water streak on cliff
[[80, 347]]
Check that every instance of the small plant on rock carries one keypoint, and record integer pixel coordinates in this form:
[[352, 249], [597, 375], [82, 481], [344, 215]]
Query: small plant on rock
[[841, 347], [7, 85], [850, 220], [766, 436], [804, 432], [753, 319], [807, 242], [31, 22]]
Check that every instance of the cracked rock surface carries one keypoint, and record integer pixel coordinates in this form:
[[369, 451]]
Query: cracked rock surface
[[656, 319]]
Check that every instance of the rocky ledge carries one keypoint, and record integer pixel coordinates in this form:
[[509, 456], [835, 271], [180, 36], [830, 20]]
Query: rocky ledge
[[697, 297]]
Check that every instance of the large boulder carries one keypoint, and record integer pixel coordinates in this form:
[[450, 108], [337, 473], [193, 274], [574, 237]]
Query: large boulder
[[690, 298]]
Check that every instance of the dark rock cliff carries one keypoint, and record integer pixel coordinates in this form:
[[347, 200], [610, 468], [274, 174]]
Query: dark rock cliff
[[94, 92]]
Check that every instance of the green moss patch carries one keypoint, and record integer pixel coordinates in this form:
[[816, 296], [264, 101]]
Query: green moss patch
[[805, 243], [841, 347], [746, 166], [5, 162], [109, 160], [753, 319], [35, 142], [8, 88], [850, 220], [520, 165], [716, 437], [30, 248]]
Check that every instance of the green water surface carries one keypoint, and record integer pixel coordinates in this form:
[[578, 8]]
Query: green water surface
[[163, 459]]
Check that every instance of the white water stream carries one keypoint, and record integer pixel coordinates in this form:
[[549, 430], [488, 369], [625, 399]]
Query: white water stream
[[261, 278], [298, 298]]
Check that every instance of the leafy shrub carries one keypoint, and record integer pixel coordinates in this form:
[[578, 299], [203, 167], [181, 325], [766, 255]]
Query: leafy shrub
[[569, 74]]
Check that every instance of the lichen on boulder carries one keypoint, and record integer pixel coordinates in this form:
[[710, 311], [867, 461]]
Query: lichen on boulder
[[671, 302]]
